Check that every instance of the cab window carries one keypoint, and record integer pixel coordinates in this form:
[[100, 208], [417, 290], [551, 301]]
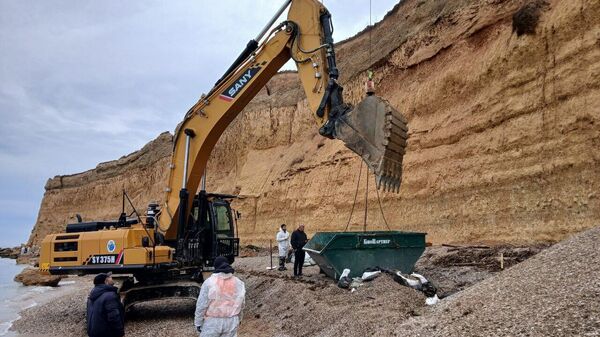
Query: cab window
[[223, 218], [194, 213]]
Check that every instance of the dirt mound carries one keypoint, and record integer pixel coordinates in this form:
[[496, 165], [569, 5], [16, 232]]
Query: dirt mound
[[252, 251], [323, 309], [279, 305], [453, 269], [487, 258], [555, 293]]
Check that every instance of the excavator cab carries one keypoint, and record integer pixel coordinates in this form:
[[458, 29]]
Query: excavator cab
[[210, 231]]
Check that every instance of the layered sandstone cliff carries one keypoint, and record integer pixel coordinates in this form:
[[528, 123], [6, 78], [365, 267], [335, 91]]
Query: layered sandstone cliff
[[503, 135]]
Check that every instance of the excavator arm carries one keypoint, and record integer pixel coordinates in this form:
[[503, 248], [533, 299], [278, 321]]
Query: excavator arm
[[305, 37]]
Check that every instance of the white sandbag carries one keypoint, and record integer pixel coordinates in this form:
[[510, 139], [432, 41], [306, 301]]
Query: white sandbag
[[409, 281], [344, 281], [370, 275], [308, 261], [432, 300], [356, 282], [420, 277]]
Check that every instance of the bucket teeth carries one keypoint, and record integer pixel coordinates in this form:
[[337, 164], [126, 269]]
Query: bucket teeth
[[389, 183], [378, 133]]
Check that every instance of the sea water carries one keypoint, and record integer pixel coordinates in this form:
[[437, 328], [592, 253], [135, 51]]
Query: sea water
[[14, 297]]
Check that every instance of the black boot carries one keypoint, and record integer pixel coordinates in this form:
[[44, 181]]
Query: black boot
[[281, 264]]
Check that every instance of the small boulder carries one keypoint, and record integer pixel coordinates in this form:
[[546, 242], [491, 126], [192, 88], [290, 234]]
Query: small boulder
[[34, 277], [9, 253]]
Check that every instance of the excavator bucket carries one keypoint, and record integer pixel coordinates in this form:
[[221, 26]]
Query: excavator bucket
[[377, 132]]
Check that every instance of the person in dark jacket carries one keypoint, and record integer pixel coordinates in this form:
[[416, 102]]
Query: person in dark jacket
[[298, 241], [105, 313]]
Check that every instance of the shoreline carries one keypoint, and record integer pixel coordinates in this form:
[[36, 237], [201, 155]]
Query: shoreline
[[29, 297], [10, 292]]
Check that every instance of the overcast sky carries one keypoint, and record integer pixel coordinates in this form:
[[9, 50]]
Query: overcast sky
[[82, 82]]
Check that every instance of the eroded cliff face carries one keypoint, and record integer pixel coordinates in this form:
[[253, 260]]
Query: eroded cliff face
[[502, 148]]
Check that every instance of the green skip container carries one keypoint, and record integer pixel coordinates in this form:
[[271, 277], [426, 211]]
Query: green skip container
[[357, 251]]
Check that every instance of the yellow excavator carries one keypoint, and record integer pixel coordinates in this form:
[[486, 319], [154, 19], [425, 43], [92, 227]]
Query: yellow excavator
[[168, 251]]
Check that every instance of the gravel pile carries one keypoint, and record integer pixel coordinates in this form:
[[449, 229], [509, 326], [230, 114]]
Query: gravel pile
[[282, 306], [315, 307], [555, 293], [252, 251], [62, 315]]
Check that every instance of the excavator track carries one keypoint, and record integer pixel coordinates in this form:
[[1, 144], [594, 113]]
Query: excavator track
[[378, 133], [132, 294]]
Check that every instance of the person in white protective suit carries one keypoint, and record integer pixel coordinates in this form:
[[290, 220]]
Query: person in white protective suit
[[283, 241], [220, 303]]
